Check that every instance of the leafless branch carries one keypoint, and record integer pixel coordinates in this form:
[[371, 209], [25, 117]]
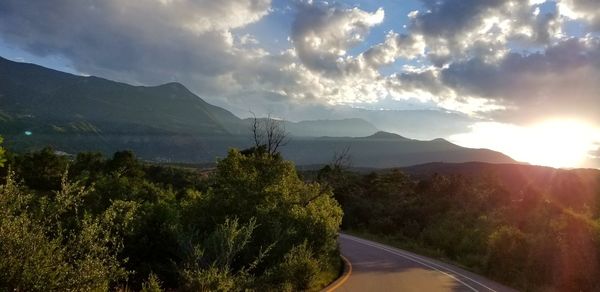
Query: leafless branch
[[269, 133], [257, 134], [341, 159]]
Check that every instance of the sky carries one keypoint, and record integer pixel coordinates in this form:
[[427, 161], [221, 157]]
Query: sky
[[521, 77]]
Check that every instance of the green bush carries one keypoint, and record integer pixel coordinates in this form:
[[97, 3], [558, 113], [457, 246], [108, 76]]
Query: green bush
[[152, 284], [2, 153], [299, 270], [55, 247], [93, 223]]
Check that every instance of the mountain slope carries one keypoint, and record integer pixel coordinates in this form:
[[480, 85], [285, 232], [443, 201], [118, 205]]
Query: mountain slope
[[384, 150], [48, 101], [40, 106]]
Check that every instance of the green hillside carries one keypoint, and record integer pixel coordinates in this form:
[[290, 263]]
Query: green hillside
[[45, 101]]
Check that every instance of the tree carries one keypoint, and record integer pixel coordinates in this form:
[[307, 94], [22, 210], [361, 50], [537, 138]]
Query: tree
[[507, 253], [125, 163], [104, 224], [341, 159], [287, 210], [2, 159], [269, 134], [47, 243], [42, 170]]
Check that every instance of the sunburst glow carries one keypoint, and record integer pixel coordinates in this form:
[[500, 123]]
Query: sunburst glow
[[556, 143]]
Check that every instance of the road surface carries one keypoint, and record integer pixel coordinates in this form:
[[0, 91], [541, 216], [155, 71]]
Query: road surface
[[377, 267]]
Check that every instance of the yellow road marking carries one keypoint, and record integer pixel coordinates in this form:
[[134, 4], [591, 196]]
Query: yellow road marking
[[344, 278]]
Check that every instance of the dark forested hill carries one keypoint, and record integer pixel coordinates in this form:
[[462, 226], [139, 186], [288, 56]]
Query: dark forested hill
[[571, 187]]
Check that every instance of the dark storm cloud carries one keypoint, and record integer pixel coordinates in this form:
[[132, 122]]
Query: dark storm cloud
[[562, 80], [424, 80], [446, 18], [586, 10], [141, 41]]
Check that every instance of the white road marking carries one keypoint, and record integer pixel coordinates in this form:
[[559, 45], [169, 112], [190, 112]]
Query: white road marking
[[421, 261]]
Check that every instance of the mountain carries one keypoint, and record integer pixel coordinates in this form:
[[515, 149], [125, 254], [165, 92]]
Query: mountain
[[416, 123], [40, 106], [381, 135], [46, 101], [384, 150], [319, 128]]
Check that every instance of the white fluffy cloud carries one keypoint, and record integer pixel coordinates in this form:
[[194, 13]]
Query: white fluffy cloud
[[322, 34], [395, 46], [465, 28], [318, 69]]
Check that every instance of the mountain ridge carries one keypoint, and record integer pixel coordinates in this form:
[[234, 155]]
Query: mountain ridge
[[168, 122]]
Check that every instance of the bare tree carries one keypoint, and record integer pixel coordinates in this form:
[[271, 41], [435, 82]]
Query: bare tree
[[269, 133], [341, 159], [257, 133]]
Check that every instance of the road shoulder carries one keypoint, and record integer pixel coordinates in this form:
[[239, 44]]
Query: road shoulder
[[343, 277]]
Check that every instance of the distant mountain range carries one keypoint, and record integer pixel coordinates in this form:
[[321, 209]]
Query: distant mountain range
[[321, 128], [40, 106], [383, 150]]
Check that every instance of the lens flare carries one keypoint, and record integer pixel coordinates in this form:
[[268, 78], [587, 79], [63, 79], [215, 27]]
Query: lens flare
[[556, 143]]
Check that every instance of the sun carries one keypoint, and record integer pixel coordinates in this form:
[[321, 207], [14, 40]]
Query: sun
[[561, 143], [557, 143]]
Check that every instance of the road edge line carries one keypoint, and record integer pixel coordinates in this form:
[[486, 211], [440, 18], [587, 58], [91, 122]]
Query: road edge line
[[343, 278], [421, 260]]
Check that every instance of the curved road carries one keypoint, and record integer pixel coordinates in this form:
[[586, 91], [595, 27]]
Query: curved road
[[377, 267]]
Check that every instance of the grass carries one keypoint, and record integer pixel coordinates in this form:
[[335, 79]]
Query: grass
[[330, 274]]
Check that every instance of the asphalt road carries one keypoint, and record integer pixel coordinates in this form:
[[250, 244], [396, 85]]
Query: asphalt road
[[377, 267]]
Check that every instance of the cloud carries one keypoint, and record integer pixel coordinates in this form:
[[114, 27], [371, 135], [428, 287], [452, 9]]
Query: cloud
[[455, 29], [423, 84], [586, 10], [318, 69], [139, 41], [561, 81], [494, 59], [323, 34], [593, 160], [395, 46], [195, 42], [564, 80]]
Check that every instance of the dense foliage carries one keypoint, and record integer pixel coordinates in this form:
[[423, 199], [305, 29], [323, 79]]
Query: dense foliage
[[91, 223], [532, 241], [2, 159]]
